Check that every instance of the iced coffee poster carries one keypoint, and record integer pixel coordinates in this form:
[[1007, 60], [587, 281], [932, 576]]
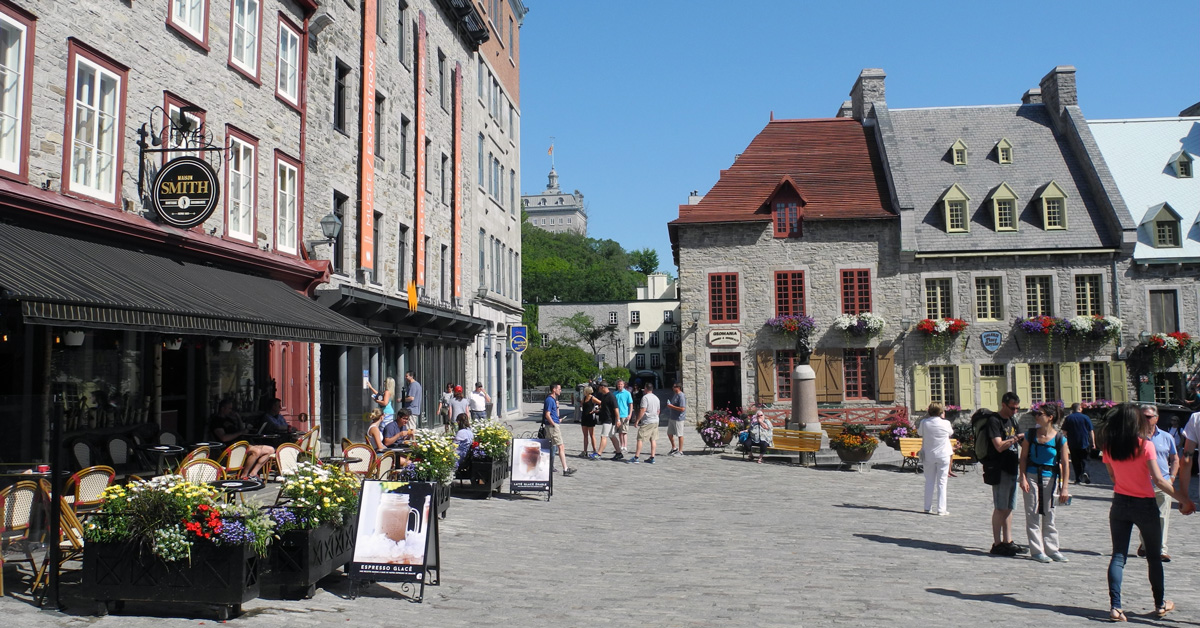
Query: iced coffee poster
[[393, 530], [530, 464]]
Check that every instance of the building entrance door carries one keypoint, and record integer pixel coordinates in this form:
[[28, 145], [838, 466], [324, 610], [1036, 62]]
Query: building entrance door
[[726, 380]]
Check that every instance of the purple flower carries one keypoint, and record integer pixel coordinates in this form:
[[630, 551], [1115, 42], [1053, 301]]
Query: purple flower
[[408, 473], [283, 517], [234, 532]]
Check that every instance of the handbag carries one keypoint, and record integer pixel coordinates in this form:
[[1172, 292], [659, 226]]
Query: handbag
[[744, 437]]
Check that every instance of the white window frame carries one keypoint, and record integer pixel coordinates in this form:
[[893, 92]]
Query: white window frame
[[288, 88], [240, 188], [249, 9], [612, 318], [199, 11], [287, 206], [176, 141], [95, 187], [14, 122]]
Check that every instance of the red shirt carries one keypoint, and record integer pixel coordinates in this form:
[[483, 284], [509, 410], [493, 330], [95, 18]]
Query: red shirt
[[1131, 476]]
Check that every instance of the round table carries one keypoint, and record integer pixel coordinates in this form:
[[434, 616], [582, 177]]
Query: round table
[[340, 460], [161, 452], [211, 444], [232, 487]]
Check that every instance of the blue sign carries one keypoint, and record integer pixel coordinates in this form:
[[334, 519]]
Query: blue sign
[[991, 340], [520, 338]]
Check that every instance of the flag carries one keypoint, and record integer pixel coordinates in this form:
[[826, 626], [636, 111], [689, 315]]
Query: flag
[[551, 151]]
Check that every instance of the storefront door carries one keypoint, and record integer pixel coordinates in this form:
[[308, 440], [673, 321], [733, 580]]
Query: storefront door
[[726, 380]]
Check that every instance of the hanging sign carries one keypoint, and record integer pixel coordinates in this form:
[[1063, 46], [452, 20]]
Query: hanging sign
[[185, 192], [530, 466], [520, 338], [397, 537], [366, 153], [990, 340], [724, 338]]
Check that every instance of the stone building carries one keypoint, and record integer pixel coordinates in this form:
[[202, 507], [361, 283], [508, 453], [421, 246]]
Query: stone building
[[121, 295], [415, 123], [554, 210]]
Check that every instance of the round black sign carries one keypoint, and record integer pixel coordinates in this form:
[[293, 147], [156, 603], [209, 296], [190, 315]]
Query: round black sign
[[185, 192]]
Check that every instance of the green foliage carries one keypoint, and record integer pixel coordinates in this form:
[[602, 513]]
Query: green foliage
[[613, 373], [644, 261], [585, 330], [574, 268], [558, 363]]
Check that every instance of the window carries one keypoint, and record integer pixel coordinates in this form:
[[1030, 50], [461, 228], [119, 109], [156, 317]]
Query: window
[[991, 370], [446, 184], [245, 28], [942, 386], [510, 37], [443, 97], [380, 110], [1166, 233], [937, 298], [545, 340], [96, 122], [785, 363], [1054, 207], [787, 219], [669, 316], [428, 163], [1037, 296], [1164, 312], [381, 21], [482, 258], [1087, 295], [1054, 215], [175, 138], [287, 186], [956, 215], [341, 95], [655, 360], [1042, 384], [612, 318], [856, 291], [512, 193], [241, 187], [723, 298], [639, 360], [402, 260], [1004, 152], [635, 318], [339, 242], [1185, 169], [376, 227], [401, 33], [958, 153], [639, 339], [653, 339], [1166, 388], [15, 81], [404, 145], [1005, 216], [479, 76], [859, 373], [287, 64], [190, 17], [1182, 163], [789, 292], [444, 279], [669, 338], [988, 299], [480, 163], [1092, 380]]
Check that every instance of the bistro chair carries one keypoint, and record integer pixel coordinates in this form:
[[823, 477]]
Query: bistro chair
[[366, 459], [16, 508], [287, 456], [83, 454], [199, 453], [82, 490], [202, 470], [346, 442], [120, 453], [168, 438], [385, 465], [70, 543], [234, 458]]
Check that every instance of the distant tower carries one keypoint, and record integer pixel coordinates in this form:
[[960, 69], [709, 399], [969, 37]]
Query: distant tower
[[552, 186], [554, 210]]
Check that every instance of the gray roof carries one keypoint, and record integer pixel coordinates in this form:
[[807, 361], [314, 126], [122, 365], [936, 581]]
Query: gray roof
[[920, 147]]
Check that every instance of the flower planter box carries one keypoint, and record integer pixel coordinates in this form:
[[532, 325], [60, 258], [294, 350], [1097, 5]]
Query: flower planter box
[[300, 558], [221, 576], [487, 474]]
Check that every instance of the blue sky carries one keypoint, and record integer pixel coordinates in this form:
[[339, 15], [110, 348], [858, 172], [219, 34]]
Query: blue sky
[[650, 99]]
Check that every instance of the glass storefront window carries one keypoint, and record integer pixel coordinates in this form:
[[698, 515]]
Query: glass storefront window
[[511, 381], [231, 374], [100, 378]]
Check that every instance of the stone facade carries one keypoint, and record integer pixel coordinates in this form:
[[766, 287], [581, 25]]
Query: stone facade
[[555, 211]]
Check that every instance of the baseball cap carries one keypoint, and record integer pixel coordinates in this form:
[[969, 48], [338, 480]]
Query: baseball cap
[[458, 389]]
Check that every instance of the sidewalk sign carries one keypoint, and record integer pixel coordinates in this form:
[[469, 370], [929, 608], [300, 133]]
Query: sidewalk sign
[[397, 539], [531, 467]]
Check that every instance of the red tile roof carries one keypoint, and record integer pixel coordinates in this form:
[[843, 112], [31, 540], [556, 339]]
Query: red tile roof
[[832, 162]]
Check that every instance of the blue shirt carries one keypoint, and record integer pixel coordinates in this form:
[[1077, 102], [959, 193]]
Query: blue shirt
[[624, 403], [1044, 454], [1164, 446], [1079, 429], [414, 391], [551, 406]]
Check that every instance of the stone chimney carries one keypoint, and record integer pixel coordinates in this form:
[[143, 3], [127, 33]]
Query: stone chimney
[[694, 197], [867, 89], [1032, 97], [846, 110], [1058, 88]]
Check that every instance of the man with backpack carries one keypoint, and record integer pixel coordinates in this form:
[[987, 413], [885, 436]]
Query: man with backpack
[[997, 446]]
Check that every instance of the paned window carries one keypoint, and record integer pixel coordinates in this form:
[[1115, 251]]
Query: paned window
[[287, 185], [339, 242], [1005, 154], [1006, 217], [655, 360], [787, 219], [723, 298], [402, 33], [242, 169], [482, 258], [402, 260], [668, 316], [943, 388], [1092, 380], [635, 318], [859, 373], [15, 72], [1164, 312], [1166, 388], [287, 65], [937, 298], [1087, 295], [1166, 233], [1037, 296], [404, 145], [991, 370], [789, 292], [856, 291], [341, 95], [612, 318], [95, 107], [243, 48], [480, 168], [174, 119], [956, 215], [669, 338], [785, 363], [1054, 214], [1043, 385], [639, 338], [545, 340], [380, 109], [960, 156], [191, 18], [653, 338], [1185, 168], [987, 298], [443, 95], [639, 360]]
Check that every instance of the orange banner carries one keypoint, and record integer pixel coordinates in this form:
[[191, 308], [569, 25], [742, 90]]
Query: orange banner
[[421, 188], [366, 155], [454, 188]]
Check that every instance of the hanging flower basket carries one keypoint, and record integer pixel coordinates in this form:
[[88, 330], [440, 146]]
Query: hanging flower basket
[[1048, 327], [940, 332], [865, 325], [1096, 328], [792, 324], [1166, 350]]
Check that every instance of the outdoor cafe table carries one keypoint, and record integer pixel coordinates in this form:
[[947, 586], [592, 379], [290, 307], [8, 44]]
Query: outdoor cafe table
[[232, 487], [161, 452]]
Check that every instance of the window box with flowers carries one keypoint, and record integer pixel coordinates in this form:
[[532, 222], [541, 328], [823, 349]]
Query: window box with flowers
[[1097, 328], [1048, 327], [940, 332], [854, 444], [1166, 350], [865, 325]]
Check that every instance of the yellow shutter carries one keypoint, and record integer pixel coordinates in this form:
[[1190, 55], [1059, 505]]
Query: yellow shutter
[[885, 369], [1021, 375], [1118, 382], [920, 388], [966, 385], [766, 376], [1068, 383]]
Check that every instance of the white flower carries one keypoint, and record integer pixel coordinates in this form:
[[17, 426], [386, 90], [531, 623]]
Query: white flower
[[1082, 323]]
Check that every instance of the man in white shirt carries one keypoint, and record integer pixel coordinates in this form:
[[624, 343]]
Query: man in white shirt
[[479, 401], [647, 423]]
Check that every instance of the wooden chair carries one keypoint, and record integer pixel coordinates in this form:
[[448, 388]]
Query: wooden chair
[[384, 465], [910, 450], [234, 458], [82, 490], [201, 470], [16, 509], [314, 442], [70, 543], [963, 463], [366, 459]]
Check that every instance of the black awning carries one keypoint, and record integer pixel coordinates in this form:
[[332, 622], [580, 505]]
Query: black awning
[[64, 281]]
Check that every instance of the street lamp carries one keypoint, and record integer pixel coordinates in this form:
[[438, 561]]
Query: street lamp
[[331, 226], [1144, 336]]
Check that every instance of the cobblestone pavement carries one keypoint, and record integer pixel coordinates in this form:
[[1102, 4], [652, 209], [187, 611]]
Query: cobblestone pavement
[[710, 540]]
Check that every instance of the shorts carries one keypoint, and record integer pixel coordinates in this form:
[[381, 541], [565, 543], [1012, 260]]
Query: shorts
[[1004, 494], [603, 430], [624, 426], [648, 432], [675, 428], [553, 433], [478, 414]]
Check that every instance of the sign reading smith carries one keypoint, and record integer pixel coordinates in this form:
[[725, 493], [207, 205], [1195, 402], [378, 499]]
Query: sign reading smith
[[185, 192]]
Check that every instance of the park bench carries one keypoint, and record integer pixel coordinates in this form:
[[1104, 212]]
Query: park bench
[[964, 463], [910, 450], [793, 440]]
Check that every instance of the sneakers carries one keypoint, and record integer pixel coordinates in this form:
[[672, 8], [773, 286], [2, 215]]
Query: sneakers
[[634, 460], [943, 513], [676, 453], [1087, 479], [1001, 549], [593, 456], [569, 471], [1041, 558], [618, 456], [650, 460], [1017, 549], [672, 452], [584, 454], [1059, 558]]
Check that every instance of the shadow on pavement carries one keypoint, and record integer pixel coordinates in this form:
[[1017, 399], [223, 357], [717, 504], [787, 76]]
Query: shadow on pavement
[[933, 546], [870, 507], [1006, 598]]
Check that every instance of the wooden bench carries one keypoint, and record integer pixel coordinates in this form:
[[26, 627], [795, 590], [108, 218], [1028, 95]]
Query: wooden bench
[[910, 449], [964, 463], [792, 440], [833, 428]]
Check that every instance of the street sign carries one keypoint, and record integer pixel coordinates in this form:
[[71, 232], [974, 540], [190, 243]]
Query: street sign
[[991, 340], [520, 338]]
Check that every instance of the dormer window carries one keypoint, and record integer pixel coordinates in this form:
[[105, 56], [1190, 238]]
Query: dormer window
[[1004, 208], [954, 208], [958, 153], [1182, 163], [1163, 225], [1166, 234], [1054, 207], [787, 219], [1004, 152], [786, 204]]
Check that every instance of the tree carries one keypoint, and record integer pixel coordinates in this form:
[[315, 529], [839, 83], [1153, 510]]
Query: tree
[[574, 268], [558, 363], [644, 261], [585, 330]]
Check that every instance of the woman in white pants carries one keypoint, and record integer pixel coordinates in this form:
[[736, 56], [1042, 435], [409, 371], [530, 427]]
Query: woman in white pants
[[935, 432]]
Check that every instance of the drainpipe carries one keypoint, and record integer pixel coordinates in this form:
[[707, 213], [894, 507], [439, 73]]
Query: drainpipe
[[1116, 290]]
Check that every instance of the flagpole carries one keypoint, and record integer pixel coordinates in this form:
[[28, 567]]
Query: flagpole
[[551, 152]]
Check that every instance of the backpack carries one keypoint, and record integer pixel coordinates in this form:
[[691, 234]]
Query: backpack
[[983, 444], [1059, 443]]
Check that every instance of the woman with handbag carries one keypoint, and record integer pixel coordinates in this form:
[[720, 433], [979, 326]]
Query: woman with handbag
[[759, 433]]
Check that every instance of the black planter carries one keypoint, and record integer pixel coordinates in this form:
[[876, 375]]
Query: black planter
[[300, 558], [443, 498], [488, 474], [223, 576]]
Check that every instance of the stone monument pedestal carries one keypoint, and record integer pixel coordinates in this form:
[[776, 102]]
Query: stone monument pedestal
[[804, 402]]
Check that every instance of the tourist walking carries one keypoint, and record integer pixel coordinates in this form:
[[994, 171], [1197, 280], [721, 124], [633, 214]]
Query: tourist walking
[[647, 423], [551, 421], [1167, 457], [589, 410], [676, 406], [412, 397], [458, 405], [1000, 471], [479, 402], [1044, 475], [624, 409], [1081, 438], [935, 432], [1133, 467], [606, 421]]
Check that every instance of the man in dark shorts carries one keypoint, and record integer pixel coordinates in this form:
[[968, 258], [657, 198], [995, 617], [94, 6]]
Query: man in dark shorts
[[607, 418], [1004, 461]]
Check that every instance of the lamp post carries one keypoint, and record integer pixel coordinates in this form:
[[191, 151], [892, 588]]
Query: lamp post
[[696, 358]]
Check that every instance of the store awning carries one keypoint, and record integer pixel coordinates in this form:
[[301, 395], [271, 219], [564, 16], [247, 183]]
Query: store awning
[[59, 280], [391, 316]]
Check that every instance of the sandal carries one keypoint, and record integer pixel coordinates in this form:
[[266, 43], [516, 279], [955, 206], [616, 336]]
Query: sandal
[[1116, 614], [1167, 607], [760, 461]]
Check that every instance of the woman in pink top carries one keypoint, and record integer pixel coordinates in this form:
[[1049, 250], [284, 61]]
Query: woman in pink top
[[1133, 467]]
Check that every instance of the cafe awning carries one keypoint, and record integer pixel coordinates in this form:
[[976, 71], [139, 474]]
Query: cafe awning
[[64, 281]]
